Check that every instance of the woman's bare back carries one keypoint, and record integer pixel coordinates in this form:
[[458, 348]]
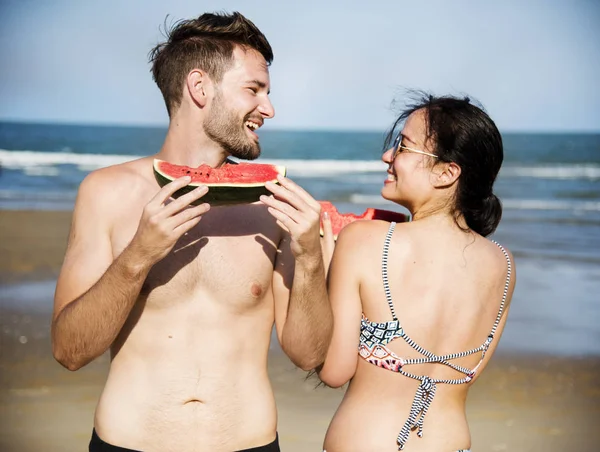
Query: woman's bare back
[[446, 287]]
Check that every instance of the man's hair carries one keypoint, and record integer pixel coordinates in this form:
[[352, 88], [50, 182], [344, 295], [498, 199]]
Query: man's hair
[[205, 43]]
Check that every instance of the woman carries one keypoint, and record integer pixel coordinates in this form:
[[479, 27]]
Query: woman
[[419, 307]]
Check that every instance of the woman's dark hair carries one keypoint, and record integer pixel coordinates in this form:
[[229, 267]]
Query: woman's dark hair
[[464, 134], [206, 43]]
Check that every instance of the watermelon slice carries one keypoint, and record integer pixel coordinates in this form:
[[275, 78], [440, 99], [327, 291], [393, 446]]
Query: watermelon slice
[[233, 183], [339, 220]]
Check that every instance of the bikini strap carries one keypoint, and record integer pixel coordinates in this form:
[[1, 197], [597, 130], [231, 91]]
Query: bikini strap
[[504, 295], [384, 272]]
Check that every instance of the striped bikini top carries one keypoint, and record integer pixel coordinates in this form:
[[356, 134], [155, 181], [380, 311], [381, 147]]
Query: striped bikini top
[[374, 336]]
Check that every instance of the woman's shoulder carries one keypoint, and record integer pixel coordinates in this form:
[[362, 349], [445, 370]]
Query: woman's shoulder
[[366, 233], [496, 260], [496, 251]]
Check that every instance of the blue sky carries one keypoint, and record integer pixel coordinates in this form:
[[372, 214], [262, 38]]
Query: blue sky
[[534, 65]]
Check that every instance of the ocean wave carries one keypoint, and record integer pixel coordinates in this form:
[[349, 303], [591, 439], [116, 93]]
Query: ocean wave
[[88, 162], [551, 204], [587, 171], [40, 200], [33, 159], [509, 204], [25, 160], [575, 207], [42, 195], [556, 256]]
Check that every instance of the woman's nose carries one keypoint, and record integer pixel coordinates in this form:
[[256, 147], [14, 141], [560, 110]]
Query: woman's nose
[[388, 157]]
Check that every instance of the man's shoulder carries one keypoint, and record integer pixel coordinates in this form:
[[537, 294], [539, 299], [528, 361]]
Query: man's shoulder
[[114, 190], [112, 179]]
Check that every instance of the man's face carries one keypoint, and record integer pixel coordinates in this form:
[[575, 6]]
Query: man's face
[[240, 105]]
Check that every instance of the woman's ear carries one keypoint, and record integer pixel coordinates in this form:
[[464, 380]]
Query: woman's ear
[[199, 86], [446, 174]]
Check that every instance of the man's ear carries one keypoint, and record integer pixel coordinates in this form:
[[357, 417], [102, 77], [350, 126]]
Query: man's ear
[[199, 86], [446, 174]]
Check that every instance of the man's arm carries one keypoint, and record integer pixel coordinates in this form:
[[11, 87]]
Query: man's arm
[[303, 317], [94, 293]]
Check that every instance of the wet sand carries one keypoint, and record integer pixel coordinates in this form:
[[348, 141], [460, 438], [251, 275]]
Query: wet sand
[[32, 244], [521, 403]]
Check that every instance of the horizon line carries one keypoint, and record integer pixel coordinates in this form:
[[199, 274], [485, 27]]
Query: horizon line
[[150, 125]]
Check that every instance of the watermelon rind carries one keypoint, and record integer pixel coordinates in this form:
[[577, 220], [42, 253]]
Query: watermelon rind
[[220, 193]]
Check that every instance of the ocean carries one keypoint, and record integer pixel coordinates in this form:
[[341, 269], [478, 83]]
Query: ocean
[[549, 187]]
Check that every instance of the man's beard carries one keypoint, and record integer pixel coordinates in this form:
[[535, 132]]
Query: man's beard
[[224, 128]]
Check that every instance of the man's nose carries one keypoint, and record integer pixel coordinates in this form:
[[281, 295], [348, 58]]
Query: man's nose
[[266, 108]]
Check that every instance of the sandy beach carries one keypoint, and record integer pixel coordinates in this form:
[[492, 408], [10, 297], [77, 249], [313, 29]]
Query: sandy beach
[[522, 402]]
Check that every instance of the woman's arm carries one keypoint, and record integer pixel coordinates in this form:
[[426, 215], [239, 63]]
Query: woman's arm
[[344, 295]]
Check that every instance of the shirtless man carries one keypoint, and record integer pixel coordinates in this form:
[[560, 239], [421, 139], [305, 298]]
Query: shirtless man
[[185, 297]]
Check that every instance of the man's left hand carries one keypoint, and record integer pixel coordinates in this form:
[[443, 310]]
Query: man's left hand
[[298, 213]]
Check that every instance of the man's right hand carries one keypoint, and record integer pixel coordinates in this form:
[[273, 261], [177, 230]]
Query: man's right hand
[[165, 220]]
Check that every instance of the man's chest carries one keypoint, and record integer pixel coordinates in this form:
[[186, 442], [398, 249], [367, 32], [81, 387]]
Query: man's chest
[[231, 252]]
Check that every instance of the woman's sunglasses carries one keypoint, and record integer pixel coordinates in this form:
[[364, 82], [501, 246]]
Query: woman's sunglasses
[[398, 148]]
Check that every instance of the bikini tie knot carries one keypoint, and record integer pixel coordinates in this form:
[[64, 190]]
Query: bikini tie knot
[[418, 410]]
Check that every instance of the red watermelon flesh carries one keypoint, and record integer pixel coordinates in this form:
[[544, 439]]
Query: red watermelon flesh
[[339, 220], [229, 173]]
